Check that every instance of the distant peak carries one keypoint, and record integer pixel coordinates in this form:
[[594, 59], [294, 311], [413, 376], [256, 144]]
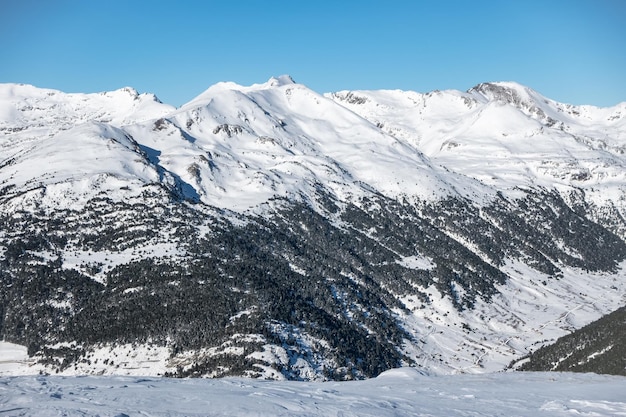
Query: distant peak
[[272, 82], [280, 81], [225, 86], [497, 89], [130, 91], [507, 92], [124, 91]]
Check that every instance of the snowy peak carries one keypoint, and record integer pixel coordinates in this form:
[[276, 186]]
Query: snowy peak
[[28, 107], [224, 86], [525, 99], [130, 92], [537, 106], [281, 81], [280, 138], [507, 92], [505, 135]]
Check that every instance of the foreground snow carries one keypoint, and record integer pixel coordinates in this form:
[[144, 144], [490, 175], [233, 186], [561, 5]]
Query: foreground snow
[[400, 392]]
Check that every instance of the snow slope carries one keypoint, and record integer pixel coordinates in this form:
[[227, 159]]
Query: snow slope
[[59, 150], [26, 107], [530, 310], [506, 135], [238, 146], [401, 392]]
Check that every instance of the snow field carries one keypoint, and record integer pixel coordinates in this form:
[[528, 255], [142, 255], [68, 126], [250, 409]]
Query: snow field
[[400, 392]]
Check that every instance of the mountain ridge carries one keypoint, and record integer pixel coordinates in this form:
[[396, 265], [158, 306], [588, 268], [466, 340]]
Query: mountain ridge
[[273, 231]]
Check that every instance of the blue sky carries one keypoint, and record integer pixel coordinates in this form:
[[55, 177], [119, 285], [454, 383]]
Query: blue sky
[[569, 50]]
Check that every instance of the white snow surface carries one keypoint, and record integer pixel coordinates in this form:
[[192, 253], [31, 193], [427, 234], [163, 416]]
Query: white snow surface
[[399, 392], [14, 360]]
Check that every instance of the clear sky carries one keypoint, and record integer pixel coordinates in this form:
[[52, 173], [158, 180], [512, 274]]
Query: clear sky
[[573, 51]]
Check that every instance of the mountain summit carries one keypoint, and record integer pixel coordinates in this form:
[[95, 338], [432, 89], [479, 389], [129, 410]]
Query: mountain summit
[[273, 231]]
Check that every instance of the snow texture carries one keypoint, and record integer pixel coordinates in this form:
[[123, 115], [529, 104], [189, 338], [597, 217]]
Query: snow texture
[[399, 392]]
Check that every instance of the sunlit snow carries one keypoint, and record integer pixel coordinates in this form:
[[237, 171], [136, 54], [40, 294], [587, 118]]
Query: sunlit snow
[[401, 392]]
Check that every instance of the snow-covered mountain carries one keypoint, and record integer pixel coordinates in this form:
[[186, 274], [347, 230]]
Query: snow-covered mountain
[[506, 135], [270, 230]]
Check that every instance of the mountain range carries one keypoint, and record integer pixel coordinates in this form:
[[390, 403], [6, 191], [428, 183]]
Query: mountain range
[[272, 231]]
